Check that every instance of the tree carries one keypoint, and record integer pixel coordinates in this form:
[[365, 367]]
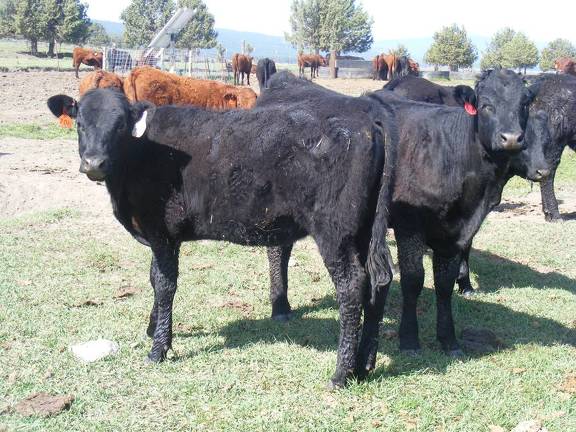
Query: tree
[[344, 26], [520, 53], [451, 47], [399, 51], [143, 19], [98, 37], [29, 22], [75, 26], [221, 52], [7, 18], [493, 56], [305, 25], [199, 32], [52, 18], [556, 49], [247, 48]]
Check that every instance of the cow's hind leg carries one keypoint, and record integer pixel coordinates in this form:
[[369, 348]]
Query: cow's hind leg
[[464, 284], [410, 254], [373, 314], [164, 273], [549, 201], [350, 279], [278, 258], [445, 273]]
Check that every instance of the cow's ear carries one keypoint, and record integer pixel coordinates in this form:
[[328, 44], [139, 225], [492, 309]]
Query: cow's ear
[[142, 113], [63, 105], [465, 94], [231, 100]]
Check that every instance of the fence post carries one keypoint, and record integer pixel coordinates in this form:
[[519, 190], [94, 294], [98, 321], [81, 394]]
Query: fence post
[[190, 63]]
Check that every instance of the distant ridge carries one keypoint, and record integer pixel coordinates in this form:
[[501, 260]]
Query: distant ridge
[[278, 49]]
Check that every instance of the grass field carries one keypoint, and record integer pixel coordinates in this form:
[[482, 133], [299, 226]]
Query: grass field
[[233, 369]]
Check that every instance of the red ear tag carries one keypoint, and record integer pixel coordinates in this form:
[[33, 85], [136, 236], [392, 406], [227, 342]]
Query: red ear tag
[[470, 109]]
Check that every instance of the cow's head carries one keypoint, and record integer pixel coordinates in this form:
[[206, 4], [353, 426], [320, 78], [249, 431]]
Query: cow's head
[[322, 61], [105, 120], [531, 163], [502, 110]]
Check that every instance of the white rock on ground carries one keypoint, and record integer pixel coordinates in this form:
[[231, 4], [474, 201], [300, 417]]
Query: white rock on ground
[[92, 351]]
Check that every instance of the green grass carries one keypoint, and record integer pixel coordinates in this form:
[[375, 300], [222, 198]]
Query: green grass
[[14, 55], [234, 369], [34, 131]]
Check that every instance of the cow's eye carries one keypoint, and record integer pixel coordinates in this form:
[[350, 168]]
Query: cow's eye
[[489, 108]]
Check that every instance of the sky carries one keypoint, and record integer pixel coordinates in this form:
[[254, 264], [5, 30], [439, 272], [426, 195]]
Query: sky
[[406, 19]]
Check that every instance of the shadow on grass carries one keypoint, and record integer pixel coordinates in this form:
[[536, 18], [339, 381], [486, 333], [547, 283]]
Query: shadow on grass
[[512, 328], [59, 56], [494, 273]]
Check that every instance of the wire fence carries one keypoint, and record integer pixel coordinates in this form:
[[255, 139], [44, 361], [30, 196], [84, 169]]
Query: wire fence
[[191, 63]]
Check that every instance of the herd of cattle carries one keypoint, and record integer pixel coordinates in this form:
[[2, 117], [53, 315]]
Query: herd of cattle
[[427, 160]]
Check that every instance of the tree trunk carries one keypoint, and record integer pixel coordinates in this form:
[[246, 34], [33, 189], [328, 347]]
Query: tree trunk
[[34, 47], [51, 48], [453, 68], [332, 64]]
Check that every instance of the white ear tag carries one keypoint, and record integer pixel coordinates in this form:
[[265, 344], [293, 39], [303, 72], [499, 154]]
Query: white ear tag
[[140, 126]]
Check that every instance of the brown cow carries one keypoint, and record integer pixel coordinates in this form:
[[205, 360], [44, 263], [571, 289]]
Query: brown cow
[[565, 65], [387, 64], [162, 88], [100, 79], [313, 61], [241, 64], [87, 57]]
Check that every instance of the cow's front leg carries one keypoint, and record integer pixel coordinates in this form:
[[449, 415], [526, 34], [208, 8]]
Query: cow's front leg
[[278, 258], [445, 273], [154, 312], [164, 273]]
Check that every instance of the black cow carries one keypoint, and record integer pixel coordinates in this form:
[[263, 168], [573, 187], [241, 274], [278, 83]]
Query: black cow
[[264, 70], [450, 166], [267, 176], [422, 90], [529, 163], [556, 95]]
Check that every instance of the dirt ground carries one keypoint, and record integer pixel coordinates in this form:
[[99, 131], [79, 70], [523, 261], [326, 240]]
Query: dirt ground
[[39, 175]]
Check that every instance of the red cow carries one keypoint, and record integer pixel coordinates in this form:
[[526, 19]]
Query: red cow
[[241, 64], [565, 65], [313, 61], [100, 79], [87, 57]]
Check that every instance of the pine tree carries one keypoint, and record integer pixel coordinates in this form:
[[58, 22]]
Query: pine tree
[[399, 51], [143, 19], [452, 48], [556, 49], [98, 37], [75, 25], [305, 23], [520, 53], [30, 23], [52, 19], [493, 56], [7, 18], [199, 32]]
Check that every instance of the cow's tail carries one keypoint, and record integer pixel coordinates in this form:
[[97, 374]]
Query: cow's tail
[[379, 260], [130, 87]]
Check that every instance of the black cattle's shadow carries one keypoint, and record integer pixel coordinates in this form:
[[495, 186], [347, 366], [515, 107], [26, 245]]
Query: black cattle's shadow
[[511, 327], [569, 216], [5, 154], [494, 272], [59, 56]]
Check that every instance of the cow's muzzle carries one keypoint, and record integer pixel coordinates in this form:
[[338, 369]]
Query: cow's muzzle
[[94, 168], [512, 141], [539, 175]]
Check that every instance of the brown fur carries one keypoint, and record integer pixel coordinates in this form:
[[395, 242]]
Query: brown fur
[[100, 79], [86, 56], [241, 64], [313, 61], [565, 65], [163, 88]]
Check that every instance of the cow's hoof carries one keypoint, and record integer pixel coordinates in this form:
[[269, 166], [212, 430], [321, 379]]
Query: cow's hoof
[[455, 353], [334, 385], [156, 357], [411, 352], [283, 317], [468, 293], [553, 218], [361, 373]]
